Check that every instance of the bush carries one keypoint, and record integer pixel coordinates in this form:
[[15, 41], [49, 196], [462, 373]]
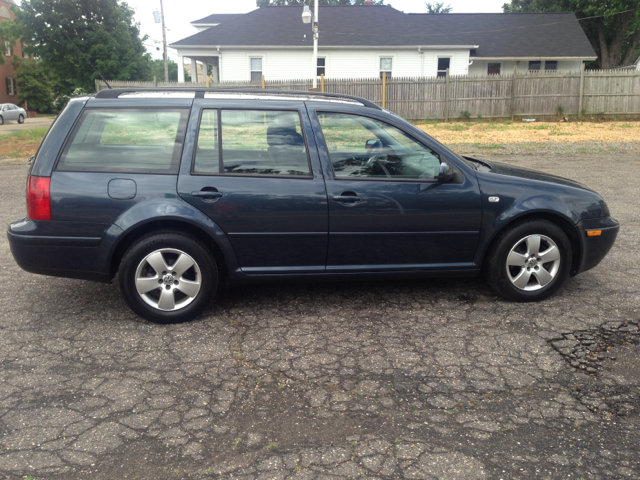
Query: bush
[[34, 86], [62, 100], [465, 115]]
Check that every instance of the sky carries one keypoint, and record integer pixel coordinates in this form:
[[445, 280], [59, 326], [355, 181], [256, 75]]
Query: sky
[[179, 14]]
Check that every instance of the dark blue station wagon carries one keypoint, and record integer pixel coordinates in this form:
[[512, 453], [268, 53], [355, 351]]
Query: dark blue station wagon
[[176, 191]]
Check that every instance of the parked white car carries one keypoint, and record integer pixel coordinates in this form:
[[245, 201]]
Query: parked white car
[[10, 112]]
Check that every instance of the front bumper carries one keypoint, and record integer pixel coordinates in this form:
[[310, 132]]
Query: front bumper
[[595, 248]]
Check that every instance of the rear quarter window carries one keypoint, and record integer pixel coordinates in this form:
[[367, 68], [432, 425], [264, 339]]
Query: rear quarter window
[[126, 141]]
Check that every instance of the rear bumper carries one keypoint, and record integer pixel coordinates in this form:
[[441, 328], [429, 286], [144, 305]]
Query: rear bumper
[[74, 255], [595, 248]]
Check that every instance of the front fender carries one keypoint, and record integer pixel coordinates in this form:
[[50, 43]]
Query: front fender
[[520, 198]]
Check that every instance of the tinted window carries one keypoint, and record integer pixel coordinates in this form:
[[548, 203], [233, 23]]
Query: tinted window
[[534, 65], [254, 142], [126, 140], [361, 147], [551, 65]]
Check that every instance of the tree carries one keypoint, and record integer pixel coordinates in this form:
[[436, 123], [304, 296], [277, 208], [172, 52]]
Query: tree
[[103, 30], [280, 3], [158, 70], [438, 8], [34, 86], [614, 34]]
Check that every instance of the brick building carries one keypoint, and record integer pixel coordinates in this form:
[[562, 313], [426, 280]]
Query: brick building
[[8, 92]]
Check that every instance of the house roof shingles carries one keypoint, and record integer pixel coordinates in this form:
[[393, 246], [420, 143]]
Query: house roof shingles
[[496, 34], [217, 18]]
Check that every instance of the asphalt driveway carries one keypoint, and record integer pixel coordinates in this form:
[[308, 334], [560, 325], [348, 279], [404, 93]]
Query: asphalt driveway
[[422, 380]]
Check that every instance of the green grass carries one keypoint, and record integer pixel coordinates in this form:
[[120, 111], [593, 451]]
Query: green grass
[[34, 135]]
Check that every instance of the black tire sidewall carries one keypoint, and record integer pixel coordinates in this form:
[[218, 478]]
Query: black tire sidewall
[[146, 245], [496, 271], [1, 120]]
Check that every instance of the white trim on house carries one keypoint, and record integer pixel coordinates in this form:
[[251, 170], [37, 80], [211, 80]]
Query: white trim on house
[[284, 47]]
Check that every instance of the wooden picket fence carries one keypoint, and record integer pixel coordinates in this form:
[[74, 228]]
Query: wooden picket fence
[[517, 94]]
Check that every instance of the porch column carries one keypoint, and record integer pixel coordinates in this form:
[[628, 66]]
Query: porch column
[[194, 70], [181, 69]]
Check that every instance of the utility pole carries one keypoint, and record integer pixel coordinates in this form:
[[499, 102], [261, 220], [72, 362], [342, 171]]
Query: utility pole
[[164, 45], [315, 44]]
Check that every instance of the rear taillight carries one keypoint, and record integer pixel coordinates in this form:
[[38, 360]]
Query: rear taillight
[[38, 198]]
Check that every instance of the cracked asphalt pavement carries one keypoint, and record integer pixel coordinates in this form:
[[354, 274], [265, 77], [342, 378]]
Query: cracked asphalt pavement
[[432, 379]]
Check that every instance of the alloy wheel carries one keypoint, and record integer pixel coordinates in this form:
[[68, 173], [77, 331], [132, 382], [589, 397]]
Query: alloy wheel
[[168, 279], [533, 262]]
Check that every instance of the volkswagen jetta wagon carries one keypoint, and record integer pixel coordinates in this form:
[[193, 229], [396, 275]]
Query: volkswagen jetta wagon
[[177, 191]]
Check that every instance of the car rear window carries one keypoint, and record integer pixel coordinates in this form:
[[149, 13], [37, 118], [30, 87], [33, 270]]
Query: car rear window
[[126, 141]]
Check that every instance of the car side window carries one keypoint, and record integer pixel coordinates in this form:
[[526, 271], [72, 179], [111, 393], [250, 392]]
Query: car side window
[[126, 141], [254, 142], [363, 147]]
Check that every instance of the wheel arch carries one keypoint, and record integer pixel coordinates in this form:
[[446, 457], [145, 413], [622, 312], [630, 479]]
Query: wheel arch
[[556, 218], [137, 231]]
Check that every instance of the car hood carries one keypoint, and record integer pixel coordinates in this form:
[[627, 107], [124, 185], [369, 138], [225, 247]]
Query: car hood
[[530, 174]]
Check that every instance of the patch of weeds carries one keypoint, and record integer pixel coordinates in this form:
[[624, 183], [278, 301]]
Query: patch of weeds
[[555, 132], [176, 471], [298, 468], [208, 471], [17, 154], [237, 441], [465, 115], [508, 122], [270, 446], [457, 127], [398, 440], [282, 385], [354, 443], [148, 380], [540, 126], [491, 146]]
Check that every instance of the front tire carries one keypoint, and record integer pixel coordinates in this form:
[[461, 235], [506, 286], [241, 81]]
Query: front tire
[[21, 119], [529, 262], [1, 120], [168, 277]]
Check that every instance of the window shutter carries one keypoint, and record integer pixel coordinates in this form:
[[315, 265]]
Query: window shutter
[[8, 82]]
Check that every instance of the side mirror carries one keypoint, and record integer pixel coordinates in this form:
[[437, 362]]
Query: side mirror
[[446, 173], [373, 144]]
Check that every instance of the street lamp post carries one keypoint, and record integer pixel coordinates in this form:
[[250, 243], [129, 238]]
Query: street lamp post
[[306, 18]]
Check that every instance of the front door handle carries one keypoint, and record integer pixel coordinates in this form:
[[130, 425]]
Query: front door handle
[[347, 197]]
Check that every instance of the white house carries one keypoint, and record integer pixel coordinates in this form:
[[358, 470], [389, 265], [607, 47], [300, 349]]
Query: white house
[[365, 41]]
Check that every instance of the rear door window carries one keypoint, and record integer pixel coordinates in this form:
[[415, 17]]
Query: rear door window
[[126, 141], [254, 142]]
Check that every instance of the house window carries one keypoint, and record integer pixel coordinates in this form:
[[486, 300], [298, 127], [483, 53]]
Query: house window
[[386, 66], [551, 65], [256, 70], [11, 86], [534, 65], [493, 69], [443, 64], [4, 12], [8, 49], [321, 66]]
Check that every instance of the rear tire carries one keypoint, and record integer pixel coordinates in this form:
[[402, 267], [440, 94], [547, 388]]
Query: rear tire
[[1, 120], [168, 277], [21, 119], [529, 262]]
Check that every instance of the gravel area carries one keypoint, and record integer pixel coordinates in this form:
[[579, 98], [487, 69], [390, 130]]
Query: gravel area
[[431, 379]]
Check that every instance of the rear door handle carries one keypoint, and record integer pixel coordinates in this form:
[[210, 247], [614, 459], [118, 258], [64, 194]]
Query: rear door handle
[[207, 195]]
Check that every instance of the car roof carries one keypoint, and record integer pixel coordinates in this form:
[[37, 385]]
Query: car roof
[[232, 93]]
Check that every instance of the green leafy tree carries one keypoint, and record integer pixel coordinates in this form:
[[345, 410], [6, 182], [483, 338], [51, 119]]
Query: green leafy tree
[[614, 34], [158, 70], [103, 30], [281, 3], [34, 85], [438, 8]]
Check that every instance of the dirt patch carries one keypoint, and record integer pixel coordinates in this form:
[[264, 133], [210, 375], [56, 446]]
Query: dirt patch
[[521, 132], [17, 150]]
